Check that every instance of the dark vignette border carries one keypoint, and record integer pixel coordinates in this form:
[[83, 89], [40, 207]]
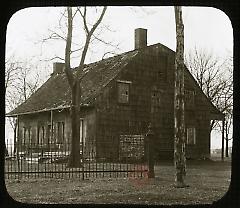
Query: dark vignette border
[[231, 9]]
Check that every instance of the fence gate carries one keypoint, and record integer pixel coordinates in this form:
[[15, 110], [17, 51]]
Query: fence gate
[[124, 157]]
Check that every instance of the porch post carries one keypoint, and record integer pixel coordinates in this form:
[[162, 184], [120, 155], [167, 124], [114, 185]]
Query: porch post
[[51, 136], [18, 145], [223, 125], [15, 138], [16, 142]]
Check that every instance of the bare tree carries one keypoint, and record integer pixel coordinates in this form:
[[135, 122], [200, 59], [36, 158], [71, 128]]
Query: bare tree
[[75, 81], [228, 127], [226, 102], [77, 45], [215, 78], [179, 119], [11, 71], [82, 19], [19, 85]]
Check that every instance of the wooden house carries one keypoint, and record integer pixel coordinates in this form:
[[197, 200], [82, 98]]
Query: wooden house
[[121, 95]]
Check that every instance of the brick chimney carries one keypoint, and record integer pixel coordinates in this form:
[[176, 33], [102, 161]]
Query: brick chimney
[[58, 67], [140, 38]]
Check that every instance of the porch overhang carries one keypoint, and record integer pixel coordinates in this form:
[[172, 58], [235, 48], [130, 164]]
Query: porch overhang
[[217, 116], [45, 110]]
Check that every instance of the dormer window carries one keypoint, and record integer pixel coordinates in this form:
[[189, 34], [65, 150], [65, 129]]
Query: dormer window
[[123, 91]]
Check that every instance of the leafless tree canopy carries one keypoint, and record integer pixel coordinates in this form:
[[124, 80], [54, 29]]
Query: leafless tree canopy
[[85, 23], [215, 78], [20, 83]]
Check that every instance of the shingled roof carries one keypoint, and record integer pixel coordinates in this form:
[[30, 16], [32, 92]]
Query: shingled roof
[[55, 92]]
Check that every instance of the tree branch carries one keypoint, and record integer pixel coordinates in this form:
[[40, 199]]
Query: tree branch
[[67, 69]]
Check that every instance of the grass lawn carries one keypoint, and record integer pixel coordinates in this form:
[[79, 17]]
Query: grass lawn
[[207, 180]]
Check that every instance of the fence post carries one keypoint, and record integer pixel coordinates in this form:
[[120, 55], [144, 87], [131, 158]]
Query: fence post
[[150, 152]]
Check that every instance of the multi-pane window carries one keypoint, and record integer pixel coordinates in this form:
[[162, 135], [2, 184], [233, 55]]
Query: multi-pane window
[[191, 135], [189, 97], [26, 136], [23, 134], [41, 135], [48, 133], [123, 91], [60, 132], [156, 100], [29, 135], [106, 97], [162, 64]]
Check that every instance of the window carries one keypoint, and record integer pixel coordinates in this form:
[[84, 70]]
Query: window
[[23, 135], [106, 97], [155, 100], [156, 97], [123, 91], [191, 135], [60, 132], [162, 64], [26, 137], [48, 133], [41, 135], [29, 135], [189, 97]]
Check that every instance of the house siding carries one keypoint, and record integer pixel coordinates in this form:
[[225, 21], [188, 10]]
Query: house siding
[[150, 99], [134, 117], [39, 120]]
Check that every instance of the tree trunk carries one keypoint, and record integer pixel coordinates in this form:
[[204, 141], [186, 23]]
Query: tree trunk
[[179, 122], [223, 130], [74, 159], [226, 138], [74, 82], [75, 156]]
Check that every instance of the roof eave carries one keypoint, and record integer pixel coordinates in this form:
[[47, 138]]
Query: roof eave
[[43, 110]]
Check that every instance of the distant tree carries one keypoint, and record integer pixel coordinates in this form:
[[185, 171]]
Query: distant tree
[[228, 127], [20, 83], [215, 78], [11, 70], [227, 103]]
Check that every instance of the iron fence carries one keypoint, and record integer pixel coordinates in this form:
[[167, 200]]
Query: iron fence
[[125, 158]]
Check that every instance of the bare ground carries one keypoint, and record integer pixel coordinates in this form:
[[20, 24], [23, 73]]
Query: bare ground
[[208, 181]]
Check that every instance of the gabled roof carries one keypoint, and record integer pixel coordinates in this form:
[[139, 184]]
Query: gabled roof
[[55, 92]]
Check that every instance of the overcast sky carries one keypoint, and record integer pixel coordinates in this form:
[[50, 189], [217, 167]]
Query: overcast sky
[[208, 28], [205, 28]]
